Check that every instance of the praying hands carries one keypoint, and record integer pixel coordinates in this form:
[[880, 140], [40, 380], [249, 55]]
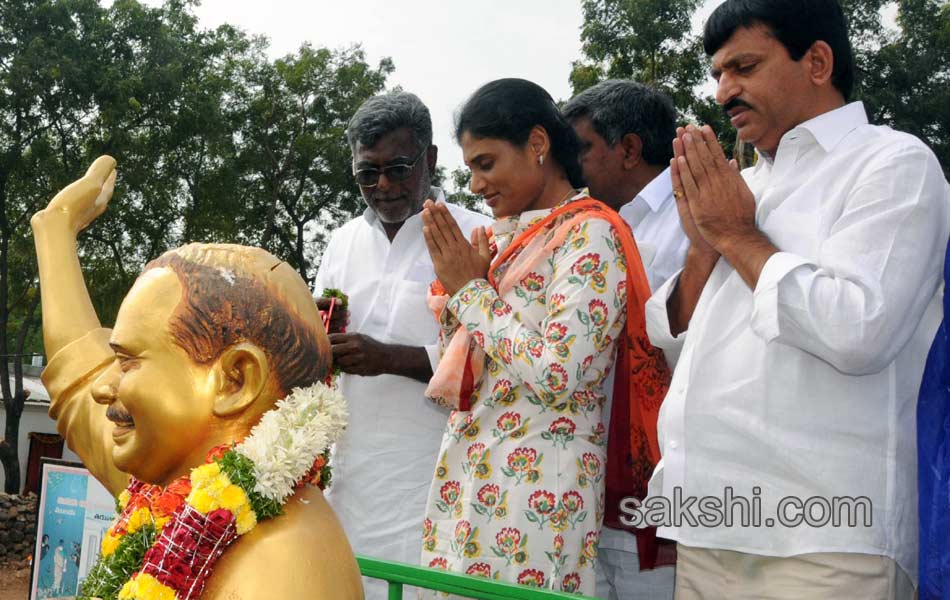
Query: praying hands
[[717, 208], [456, 260]]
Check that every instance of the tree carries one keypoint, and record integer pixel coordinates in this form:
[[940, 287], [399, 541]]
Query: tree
[[45, 93], [216, 142], [649, 41], [461, 178], [902, 76], [905, 79], [293, 156]]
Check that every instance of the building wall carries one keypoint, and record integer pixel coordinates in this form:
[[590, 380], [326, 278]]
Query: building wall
[[35, 417]]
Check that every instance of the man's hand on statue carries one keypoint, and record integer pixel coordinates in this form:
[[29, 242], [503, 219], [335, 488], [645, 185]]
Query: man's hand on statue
[[79, 203], [340, 317], [359, 354], [456, 260], [720, 203]]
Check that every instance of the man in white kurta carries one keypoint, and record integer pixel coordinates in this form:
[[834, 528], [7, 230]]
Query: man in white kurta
[[383, 466], [803, 316], [626, 129]]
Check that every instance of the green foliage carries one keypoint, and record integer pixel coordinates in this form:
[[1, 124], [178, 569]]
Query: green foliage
[[215, 142], [903, 76], [240, 470], [649, 41], [461, 178], [110, 573]]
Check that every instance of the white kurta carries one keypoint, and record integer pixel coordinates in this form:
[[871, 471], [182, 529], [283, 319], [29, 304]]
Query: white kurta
[[382, 468], [806, 387]]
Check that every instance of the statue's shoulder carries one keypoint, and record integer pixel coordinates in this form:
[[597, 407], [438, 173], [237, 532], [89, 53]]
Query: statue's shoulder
[[305, 548]]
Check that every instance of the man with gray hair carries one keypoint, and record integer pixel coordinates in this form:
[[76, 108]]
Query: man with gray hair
[[626, 131], [383, 466]]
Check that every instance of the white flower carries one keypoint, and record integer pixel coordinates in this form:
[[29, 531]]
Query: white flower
[[288, 439]]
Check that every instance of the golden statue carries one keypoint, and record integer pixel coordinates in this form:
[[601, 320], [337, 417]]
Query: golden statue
[[204, 344]]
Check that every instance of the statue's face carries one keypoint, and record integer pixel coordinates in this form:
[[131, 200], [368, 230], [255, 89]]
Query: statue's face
[[158, 398]]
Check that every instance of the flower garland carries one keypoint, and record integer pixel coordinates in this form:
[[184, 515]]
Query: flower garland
[[340, 302], [164, 542]]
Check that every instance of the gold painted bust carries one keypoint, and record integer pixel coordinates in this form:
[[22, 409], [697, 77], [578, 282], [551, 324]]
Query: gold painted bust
[[206, 341]]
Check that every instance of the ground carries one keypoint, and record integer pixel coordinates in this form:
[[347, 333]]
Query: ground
[[14, 582]]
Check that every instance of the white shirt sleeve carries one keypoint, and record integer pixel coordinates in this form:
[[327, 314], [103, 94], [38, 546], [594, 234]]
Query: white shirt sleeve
[[860, 301], [658, 321]]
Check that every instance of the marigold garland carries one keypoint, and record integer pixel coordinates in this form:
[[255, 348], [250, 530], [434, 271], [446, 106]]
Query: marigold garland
[[164, 542]]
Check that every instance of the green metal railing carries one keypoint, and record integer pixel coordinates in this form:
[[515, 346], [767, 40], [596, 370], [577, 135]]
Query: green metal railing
[[401, 574]]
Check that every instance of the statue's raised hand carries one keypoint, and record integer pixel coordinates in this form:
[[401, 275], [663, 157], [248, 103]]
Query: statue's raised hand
[[83, 200]]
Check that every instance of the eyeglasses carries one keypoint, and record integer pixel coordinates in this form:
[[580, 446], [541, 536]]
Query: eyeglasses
[[369, 178]]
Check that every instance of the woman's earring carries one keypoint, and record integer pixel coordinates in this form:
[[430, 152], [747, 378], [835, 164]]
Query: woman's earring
[[541, 159]]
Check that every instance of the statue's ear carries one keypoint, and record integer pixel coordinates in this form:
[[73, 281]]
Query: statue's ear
[[241, 374]]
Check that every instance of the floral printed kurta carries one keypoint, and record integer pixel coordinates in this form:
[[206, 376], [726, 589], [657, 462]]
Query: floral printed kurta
[[518, 489]]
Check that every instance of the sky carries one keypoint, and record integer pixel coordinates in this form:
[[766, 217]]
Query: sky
[[443, 50]]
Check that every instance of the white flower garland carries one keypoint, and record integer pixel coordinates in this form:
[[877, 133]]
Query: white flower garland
[[288, 439]]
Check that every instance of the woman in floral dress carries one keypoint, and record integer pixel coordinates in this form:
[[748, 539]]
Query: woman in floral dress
[[518, 489]]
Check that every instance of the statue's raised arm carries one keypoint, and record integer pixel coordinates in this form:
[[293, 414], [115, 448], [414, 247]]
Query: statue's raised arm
[[75, 342], [217, 352]]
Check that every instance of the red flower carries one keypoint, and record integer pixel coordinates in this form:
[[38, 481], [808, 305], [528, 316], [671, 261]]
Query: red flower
[[572, 501], [571, 583], [562, 425], [509, 538], [556, 379], [521, 459], [535, 347], [479, 569], [177, 575], [218, 452], [180, 487], [533, 282], [450, 492], [475, 452], [182, 539], [463, 529], [166, 504], [509, 421], [439, 563], [504, 350], [556, 332], [542, 502], [598, 312], [218, 522], [591, 463], [587, 264], [531, 578], [501, 390], [488, 495], [500, 308]]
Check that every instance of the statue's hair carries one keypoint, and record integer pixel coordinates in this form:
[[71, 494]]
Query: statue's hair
[[233, 294]]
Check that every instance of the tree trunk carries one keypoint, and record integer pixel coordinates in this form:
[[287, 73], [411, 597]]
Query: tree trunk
[[9, 452]]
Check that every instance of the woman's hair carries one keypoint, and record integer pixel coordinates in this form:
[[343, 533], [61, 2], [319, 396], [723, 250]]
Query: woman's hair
[[509, 109]]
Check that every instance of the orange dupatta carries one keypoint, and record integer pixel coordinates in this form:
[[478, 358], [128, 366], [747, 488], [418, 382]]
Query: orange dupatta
[[642, 377]]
